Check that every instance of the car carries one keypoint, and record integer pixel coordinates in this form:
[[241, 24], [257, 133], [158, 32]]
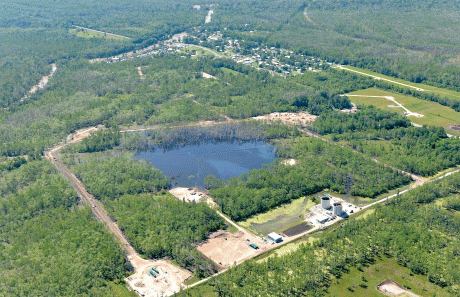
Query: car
[[94, 206]]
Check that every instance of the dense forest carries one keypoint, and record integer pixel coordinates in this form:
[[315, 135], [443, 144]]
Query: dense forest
[[319, 166], [173, 91], [390, 138], [411, 228], [48, 245], [156, 223]]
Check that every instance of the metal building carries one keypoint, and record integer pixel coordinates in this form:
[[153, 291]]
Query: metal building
[[275, 237]]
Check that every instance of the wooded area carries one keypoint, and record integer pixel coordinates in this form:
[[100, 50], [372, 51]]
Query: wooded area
[[390, 138], [156, 223], [319, 166], [419, 234], [48, 245]]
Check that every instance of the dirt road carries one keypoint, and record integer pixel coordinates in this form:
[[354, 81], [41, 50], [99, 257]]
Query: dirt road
[[172, 278], [380, 78]]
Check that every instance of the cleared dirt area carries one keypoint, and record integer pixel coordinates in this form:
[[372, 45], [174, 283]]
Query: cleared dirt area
[[290, 162], [298, 118], [207, 75], [191, 195], [226, 248], [391, 288], [166, 283], [139, 71], [42, 83]]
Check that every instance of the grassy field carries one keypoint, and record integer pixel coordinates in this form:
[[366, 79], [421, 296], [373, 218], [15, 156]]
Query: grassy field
[[439, 91], [91, 34], [121, 289], [369, 277], [280, 218], [287, 248], [434, 114]]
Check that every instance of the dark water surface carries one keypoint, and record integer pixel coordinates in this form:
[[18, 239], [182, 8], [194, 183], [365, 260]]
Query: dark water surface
[[188, 165]]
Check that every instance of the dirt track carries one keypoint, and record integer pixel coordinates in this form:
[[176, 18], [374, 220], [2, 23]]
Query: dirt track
[[173, 276]]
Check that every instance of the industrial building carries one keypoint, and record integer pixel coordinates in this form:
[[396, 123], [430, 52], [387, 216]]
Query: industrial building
[[322, 218], [337, 209], [275, 237]]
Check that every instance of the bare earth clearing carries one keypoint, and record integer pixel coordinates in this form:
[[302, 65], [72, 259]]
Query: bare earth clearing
[[226, 248], [391, 288], [291, 118], [42, 83], [139, 70]]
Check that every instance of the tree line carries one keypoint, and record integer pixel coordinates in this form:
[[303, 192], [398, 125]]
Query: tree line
[[420, 235]]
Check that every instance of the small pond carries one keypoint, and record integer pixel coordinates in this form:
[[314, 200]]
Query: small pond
[[188, 165]]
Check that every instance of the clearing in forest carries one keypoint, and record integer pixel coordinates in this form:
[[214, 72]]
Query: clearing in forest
[[281, 218], [292, 118], [226, 248], [364, 281], [434, 114], [400, 82]]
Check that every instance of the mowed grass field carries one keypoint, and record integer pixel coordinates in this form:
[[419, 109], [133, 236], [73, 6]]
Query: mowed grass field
[[280, 218], [91, 34], [369, 277], [449, 93], [434, 114]]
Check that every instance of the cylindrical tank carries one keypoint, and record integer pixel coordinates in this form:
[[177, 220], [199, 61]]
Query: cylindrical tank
[[337, 209], [325, 202]]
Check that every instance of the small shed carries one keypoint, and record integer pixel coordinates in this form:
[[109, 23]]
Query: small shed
[[275, 237], [322, 219]]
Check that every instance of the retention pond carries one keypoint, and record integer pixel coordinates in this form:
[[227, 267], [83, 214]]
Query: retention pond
[[188, 165]]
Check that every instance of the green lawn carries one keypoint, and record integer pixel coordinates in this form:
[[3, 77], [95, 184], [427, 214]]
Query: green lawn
[[434, 114], [280, 218], [369, 277]]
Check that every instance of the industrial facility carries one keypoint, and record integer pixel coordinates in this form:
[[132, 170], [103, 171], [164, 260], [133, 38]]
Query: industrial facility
[[329, 209]]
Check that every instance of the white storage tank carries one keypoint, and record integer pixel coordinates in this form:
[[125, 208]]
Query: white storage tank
[[325, 202], [337, 209]]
